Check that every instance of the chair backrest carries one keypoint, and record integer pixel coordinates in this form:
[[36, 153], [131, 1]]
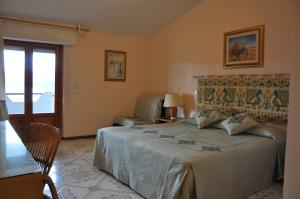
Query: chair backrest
[[42, 141], [148, 107]]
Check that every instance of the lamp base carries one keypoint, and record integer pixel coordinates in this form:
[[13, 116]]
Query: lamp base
[[173, 113]]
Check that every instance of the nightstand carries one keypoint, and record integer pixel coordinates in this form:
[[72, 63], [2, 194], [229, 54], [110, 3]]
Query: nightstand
[[160, 120]]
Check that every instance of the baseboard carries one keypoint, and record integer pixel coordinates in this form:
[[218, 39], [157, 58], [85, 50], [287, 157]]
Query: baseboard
[[79, 137]]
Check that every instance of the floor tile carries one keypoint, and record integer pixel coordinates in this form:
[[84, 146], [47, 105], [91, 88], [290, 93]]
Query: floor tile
[[73, 193], [85, 159], [111, 195], [84, 176], [110, 183]]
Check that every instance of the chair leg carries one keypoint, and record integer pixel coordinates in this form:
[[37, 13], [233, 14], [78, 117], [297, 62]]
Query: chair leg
[[47, 180]]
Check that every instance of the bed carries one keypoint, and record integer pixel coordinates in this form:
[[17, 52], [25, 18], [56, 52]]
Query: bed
[[179, 160]]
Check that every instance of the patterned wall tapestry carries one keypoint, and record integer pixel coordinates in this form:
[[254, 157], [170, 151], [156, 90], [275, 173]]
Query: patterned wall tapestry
[[263, 97]]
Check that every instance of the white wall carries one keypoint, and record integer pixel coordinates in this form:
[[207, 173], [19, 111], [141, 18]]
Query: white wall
[[292, 169], [90, 102]]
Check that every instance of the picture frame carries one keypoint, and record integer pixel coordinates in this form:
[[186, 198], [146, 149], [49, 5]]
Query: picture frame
[[115, 65], [244, 48]]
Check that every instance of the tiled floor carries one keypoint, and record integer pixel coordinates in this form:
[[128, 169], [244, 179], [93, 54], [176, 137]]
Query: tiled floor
[[76, 178]]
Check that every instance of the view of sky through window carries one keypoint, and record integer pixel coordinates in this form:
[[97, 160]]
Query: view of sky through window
[[43, 79]]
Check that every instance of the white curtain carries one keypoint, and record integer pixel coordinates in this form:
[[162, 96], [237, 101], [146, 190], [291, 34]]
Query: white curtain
[[3, 109]]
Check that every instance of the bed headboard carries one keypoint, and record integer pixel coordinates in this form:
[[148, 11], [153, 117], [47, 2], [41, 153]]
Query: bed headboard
[[263, 97]]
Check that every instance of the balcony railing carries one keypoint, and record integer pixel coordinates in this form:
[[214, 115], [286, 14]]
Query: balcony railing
[[41, 102]]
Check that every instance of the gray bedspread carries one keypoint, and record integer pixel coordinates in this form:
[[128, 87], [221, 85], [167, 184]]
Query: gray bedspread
[[178, 160]]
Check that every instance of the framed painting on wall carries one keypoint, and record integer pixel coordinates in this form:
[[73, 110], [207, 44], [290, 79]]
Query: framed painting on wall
[[115, 65], [244, 48]]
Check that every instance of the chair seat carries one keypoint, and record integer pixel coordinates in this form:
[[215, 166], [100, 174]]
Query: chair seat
[[129, 121]]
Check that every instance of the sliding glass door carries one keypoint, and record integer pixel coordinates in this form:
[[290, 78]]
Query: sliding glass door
[[33, 78]]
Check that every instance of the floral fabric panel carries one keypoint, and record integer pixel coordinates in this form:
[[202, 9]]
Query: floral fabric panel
[[262, 97]]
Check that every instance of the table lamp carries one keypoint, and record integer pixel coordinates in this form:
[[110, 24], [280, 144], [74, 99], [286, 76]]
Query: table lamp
[[172, 100]]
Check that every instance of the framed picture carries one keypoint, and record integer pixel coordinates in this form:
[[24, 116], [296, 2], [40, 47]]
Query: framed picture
[[244, 48], [115, 65]]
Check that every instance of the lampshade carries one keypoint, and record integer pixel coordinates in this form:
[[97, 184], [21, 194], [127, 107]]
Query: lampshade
[[172, 100]]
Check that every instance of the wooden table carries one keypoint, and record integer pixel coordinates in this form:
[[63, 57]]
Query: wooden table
[[20, 175]]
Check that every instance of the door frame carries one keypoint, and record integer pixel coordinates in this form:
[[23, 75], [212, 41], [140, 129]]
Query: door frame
[[28, 116]]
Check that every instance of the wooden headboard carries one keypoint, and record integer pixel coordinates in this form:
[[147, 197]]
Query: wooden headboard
[[263, 97]]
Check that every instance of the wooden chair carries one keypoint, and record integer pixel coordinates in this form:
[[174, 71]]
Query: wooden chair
[[42, 141]]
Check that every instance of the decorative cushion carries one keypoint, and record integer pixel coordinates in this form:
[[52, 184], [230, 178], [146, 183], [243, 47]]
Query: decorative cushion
[[191, 120], [206, 117], [217, 124], [238, 124], [267, 130], [192, 113]]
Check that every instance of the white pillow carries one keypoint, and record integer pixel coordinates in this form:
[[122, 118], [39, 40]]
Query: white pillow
[[192, 113], [238, 124], [217, 124], [205, 118]]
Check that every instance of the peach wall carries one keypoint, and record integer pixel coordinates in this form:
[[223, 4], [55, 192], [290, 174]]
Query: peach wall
[[89, 101], [193, 44], [292, 173]]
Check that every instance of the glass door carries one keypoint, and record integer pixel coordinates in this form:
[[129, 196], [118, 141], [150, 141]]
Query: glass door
[[14, 66], [33, 83], [43, 81]]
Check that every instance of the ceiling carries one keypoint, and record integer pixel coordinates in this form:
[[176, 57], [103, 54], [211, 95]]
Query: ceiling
[[130, 17]]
